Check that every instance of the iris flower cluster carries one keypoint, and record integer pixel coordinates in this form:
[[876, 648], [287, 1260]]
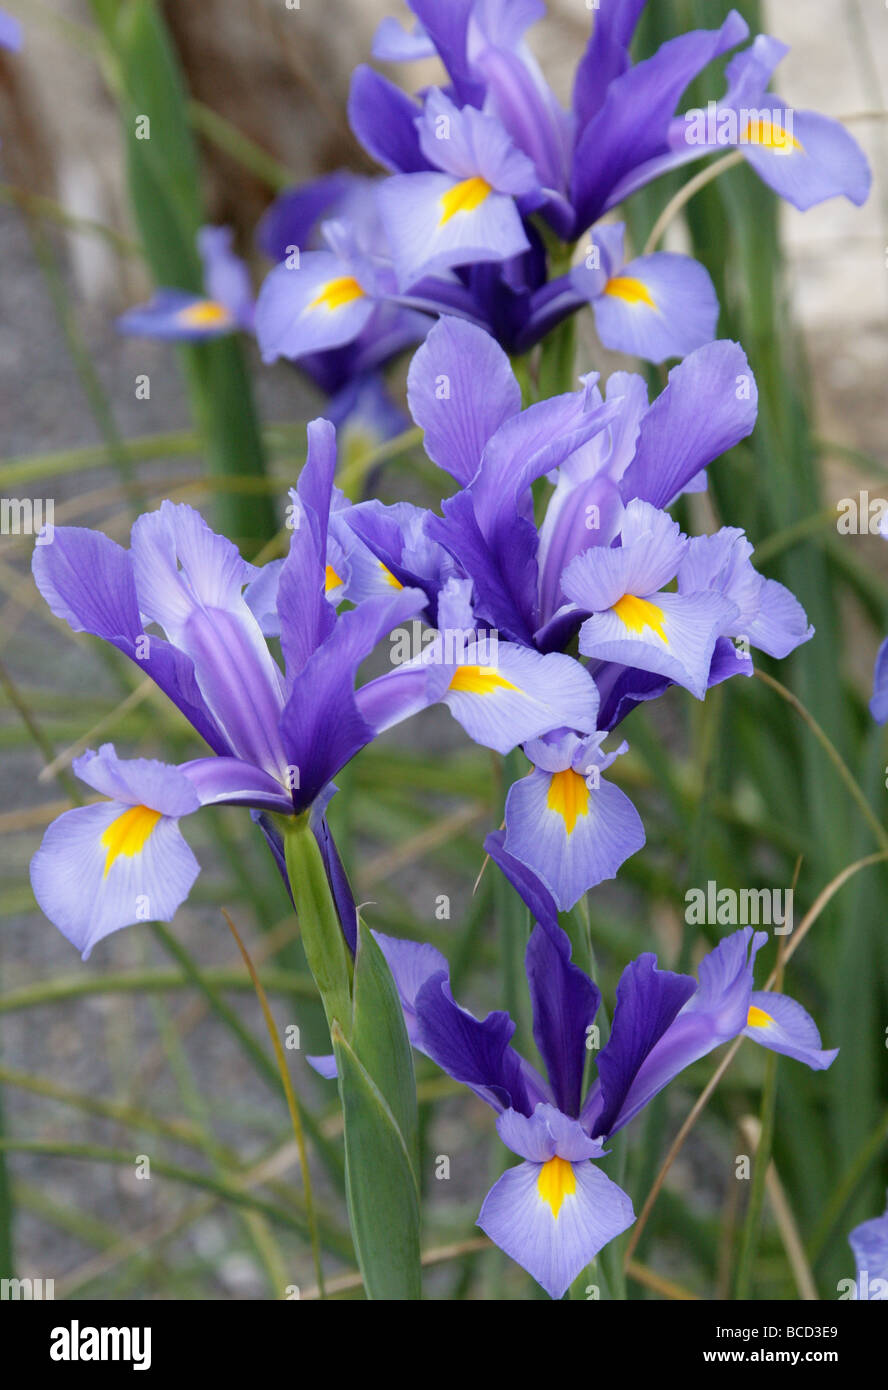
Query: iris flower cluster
[[496, 202], [557, 589], [506, 601]]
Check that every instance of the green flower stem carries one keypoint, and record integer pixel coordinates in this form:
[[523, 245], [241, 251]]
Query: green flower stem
[[557, 357], [325, 949], [755, 1208]]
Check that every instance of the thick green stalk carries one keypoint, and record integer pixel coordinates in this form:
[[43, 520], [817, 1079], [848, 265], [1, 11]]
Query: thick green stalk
[[325, 948], [374, 1065]]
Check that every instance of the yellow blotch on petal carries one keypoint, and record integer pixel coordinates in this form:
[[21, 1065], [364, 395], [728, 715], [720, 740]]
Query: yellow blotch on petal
[[128, 834], [556, 1181], [463, 197], [639, 613], [757, 1018], [207, 313], [771, 135], [331, 579], [337, 292], [569, 796], [479, 680], [632, 291], [389, 577]]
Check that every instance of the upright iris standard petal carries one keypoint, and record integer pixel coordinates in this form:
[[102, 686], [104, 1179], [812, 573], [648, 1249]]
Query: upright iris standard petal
[[528, 885], [322, 725], [565, 1002], [88, 580], [106, 866], [190, 581], [715, 1012], [383, 117], [632, 123], [226, 277], [460, 389], [648, 1001], [708, 406]]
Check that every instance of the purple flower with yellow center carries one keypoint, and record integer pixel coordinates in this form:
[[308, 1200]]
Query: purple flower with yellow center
[[621, 132], [226, 306], [803, 156], [623, 129], [294, 226], [178, 603], [597, 564], [555, 1210], [610, 486], [186, 608], [335, 309]]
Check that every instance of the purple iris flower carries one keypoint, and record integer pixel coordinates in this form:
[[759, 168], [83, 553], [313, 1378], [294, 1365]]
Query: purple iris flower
[[652, 607], [622, 129], [556, 1209], [278, 736], [471, 164], [359, 402], [226, 306], [178, 603], [331, 301], [616, 463], [869, 1242]]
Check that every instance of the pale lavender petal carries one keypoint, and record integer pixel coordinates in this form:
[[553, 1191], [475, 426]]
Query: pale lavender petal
[[709, 405], [88, 892], [554, 1250], [460, 389], [659, 306]]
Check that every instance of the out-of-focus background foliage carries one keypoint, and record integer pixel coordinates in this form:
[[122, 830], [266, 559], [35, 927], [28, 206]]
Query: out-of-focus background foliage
[[156, 1046]]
